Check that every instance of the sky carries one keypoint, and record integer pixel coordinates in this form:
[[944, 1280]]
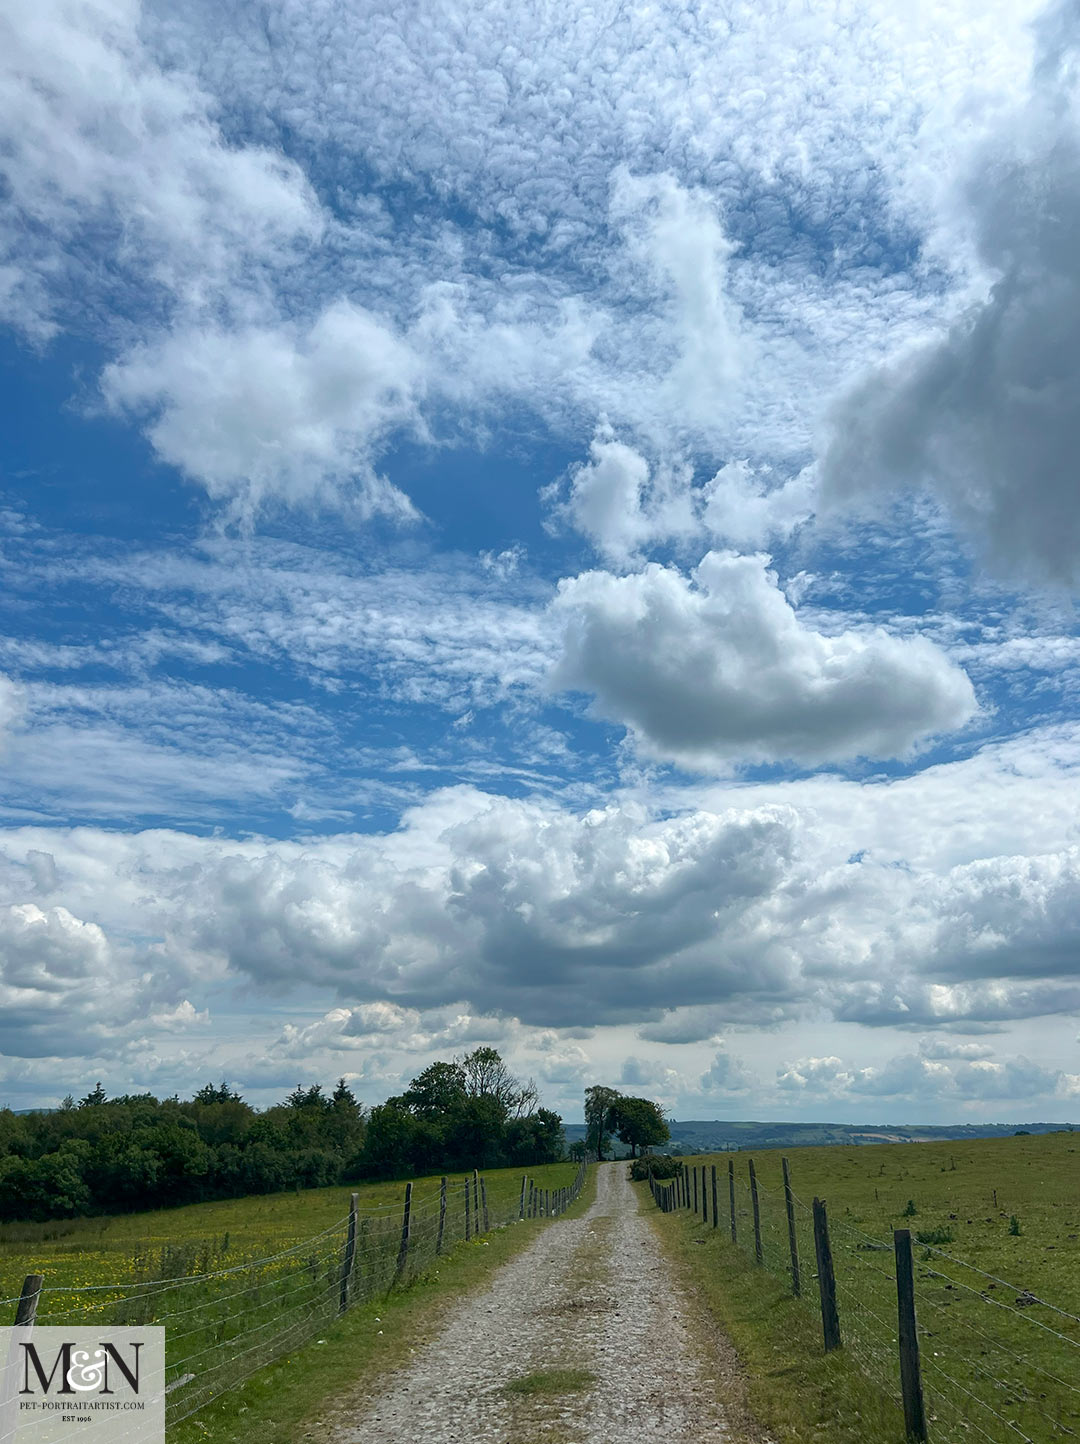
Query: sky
[[545, 526]]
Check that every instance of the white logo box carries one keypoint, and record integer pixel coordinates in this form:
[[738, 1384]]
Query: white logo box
[[59, 1385]]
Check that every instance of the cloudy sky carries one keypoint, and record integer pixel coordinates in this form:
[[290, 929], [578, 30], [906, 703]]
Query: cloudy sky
[[544, 525]]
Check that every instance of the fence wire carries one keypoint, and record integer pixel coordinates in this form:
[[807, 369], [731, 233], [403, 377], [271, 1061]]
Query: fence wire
[[999, 1362], [223, 1325]]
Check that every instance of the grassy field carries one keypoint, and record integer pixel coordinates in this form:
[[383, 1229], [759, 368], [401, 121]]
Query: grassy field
[[244, 1286], [134, 1246], [999, 1223]]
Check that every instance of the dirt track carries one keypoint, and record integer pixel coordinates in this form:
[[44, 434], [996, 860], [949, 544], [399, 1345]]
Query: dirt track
[[590, 1293]]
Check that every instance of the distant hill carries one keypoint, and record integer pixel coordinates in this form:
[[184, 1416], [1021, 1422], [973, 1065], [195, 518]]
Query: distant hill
[[716, 1136]]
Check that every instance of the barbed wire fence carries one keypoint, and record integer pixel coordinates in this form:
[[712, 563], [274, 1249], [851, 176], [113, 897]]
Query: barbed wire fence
[[223, 1326], [962, 1354]]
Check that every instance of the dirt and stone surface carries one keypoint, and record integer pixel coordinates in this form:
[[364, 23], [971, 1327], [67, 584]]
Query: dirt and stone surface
[[591, 1293]]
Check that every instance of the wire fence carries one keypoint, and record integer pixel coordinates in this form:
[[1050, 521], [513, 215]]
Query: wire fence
[[223, 1326], [986, 1360]]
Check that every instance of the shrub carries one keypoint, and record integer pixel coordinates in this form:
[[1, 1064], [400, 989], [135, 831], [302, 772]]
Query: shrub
[[1014, 1226], [911, 1210], [659, 1165]]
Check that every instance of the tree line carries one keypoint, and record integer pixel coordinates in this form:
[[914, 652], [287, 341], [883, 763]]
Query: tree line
[[115, 1155]]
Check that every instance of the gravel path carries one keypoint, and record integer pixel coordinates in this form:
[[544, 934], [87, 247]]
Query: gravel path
[[589, 1293]]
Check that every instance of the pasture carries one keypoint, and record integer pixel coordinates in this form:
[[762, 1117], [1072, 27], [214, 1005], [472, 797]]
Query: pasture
[[996, 1232], [243, 1285]]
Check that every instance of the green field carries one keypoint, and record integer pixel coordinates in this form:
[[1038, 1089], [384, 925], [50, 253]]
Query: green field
[[241, 1284], [134, 1246], [997, 1285]]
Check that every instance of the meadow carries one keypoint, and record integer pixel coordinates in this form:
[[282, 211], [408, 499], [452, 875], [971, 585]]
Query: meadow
[[242, 1283], [996, 1229]]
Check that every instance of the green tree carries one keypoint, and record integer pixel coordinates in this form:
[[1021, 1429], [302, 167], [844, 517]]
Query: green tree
[[640, 1122], [221, 1094], [439, 1089], [600, 1105]]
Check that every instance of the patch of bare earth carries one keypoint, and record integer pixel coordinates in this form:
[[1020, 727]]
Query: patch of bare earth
[[592, 1294]]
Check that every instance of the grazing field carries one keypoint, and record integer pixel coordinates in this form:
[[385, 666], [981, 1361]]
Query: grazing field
[[240, 1284], [134, 1247], [996, 1229]]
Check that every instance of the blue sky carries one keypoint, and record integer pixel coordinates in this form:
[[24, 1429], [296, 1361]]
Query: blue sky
[[545, 528]]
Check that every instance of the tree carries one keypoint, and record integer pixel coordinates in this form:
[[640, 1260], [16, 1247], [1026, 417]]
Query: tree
[[640, 1122], [487, 1076], [94, 1099], [440, 1088], [221, 1094], [599, 1113]]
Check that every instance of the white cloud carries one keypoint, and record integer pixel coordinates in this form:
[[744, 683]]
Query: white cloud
[[919, 1078], [67, 988], [624, 505], [101, 138], [11, 707], [615, 502], [719, 667], [741, 510], [277, 413], [675, 236], [727, 1074]]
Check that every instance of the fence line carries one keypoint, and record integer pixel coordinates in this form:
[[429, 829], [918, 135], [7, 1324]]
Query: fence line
[[228, 1334], [913, 1327]]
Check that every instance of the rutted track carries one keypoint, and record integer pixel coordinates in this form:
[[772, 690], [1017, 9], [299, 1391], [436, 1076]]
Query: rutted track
[[589, 1293]]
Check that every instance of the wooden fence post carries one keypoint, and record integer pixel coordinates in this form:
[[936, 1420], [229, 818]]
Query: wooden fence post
[[26, 1310], [350, 1251], [715, 1210], [704, 1196], [521, 1207], [830, 1319], [483, 1201], [759, 1253], [442, 1215], [406, 1218], [793, 1242], [695, 1187], [910, 1369], [731, 1196], [476, 1200], [468, 1232]]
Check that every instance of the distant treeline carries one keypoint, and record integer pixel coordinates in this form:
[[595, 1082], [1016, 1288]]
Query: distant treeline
[[115, 1155]]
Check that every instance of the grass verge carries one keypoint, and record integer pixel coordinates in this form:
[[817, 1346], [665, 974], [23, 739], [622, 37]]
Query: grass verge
[[289, 1401], [794, 1390]]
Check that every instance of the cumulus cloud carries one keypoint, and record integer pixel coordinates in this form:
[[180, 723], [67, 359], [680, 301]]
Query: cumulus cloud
[[719, 666], [624, 505], [986, 415], [480, 909], [727, 1074], [916, 1077], [686, 1025], [67, 988], [675, 235], [620, 506], [280, 412]]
